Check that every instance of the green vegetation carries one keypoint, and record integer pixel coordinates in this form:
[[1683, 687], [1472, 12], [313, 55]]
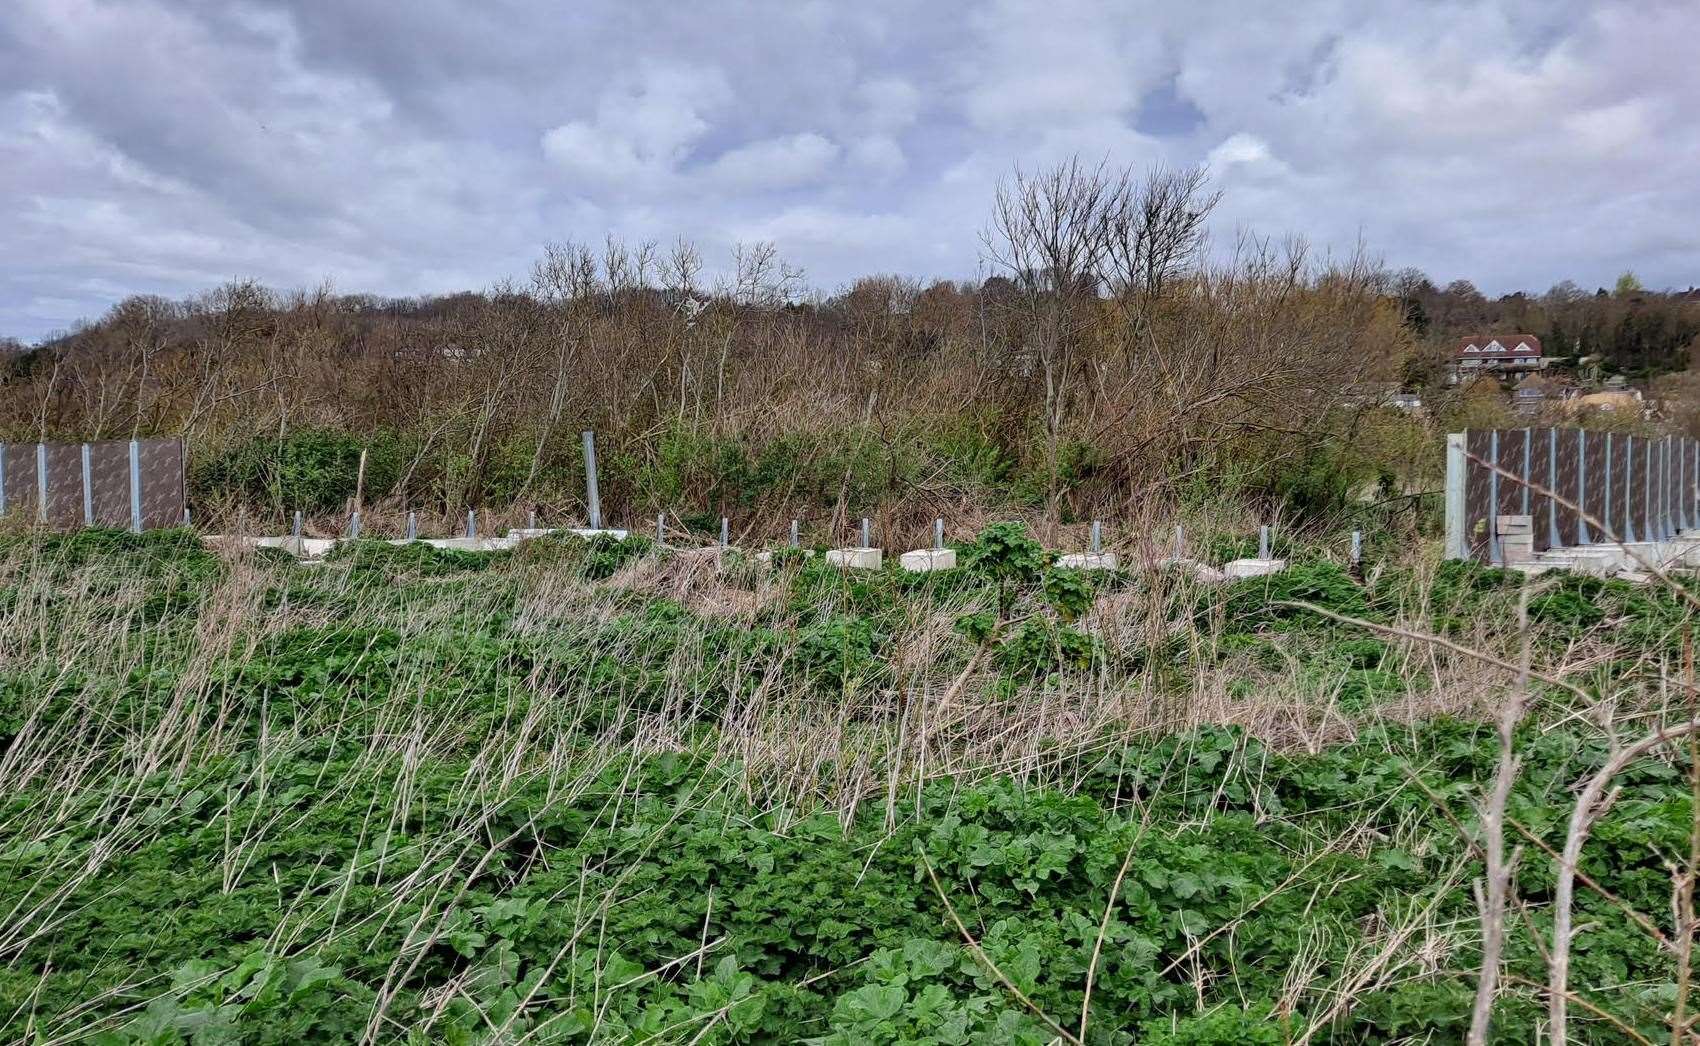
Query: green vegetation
[[581, 792]]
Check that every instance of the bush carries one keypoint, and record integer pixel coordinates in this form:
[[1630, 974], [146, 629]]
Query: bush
[[311, 469]]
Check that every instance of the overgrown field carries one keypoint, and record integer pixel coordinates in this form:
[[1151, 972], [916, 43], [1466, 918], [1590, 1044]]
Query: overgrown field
[[591, 793]]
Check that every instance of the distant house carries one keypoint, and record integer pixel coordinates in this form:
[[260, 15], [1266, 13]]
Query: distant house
[[1501, 353]]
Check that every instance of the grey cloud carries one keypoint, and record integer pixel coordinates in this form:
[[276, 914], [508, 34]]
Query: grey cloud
[[163, 146]]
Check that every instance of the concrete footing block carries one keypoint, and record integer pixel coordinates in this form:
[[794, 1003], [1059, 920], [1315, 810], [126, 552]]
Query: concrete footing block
[[925, 559], [770, 555], [1597, 563], [855, 558], [1243, 568], [606, 532], [1088, 561]]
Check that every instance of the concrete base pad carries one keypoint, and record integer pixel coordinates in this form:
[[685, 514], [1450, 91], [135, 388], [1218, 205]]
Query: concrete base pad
[[855, 558], [1088, 561], [768, 557], [471, 544], [1241, 568], [924, 559], [606, 532]]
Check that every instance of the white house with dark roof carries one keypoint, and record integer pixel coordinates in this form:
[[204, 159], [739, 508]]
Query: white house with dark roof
[[1496, 353]]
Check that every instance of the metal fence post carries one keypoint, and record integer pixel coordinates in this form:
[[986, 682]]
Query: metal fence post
[[1180, 543], [938, 534], [88, 490], [592, 498], [2, 479], [725, 532], [796, 534], [867, 533], [295, 528], [354, 524], [1263, 542], [1457, 466], [1553, 538], [135, 487], [1493, 500], [472, 524], [661, 528], [412, 526], [1097, 536], [1357, 548]]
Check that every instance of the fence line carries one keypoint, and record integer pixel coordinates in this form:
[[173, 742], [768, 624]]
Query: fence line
[[1641, 489], [137, 484]]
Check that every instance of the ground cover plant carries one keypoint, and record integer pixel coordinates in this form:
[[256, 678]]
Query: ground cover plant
[[598, 792]]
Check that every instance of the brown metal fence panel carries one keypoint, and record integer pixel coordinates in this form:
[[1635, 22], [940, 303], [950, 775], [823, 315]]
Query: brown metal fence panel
[[162, 483], [109, 482], [1542, 477], [1592, 473], [64, 485], [22, 492], [1566, 484], [1479, 447]]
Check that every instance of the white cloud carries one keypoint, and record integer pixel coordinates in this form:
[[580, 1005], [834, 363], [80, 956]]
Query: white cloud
[[775, 163], [160, 146]]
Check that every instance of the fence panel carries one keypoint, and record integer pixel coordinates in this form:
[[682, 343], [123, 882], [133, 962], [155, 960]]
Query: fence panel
[[159, 483]]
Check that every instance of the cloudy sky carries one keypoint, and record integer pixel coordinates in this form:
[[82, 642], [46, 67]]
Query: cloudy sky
[[150, 146]]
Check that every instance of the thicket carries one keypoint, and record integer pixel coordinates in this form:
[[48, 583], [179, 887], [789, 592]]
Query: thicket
[[1104, 363], [585, 792]]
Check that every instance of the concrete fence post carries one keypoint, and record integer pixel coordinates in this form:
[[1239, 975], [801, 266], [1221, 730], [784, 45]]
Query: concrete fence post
[[1583, 537], [41, 482], [592, 498], [1457, 465], [135, 487], [88, 489]]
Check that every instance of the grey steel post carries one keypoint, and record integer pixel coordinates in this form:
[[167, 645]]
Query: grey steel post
[[725, 532], [867, 533], [1357, 547], [2, 479], [531, 519], [354, 524], [295, 529], [88, 491], [1553, 538], [591, 497], [1180, 543], [1628, 489], [1528, 463], [472, 523], [1097, 537], [1681, 485], [796, 534], [412, 525], [135, 487], [938, 534], [1582, 535], [186, 516], [661, 528], [41, 482], [1263, 542], [1494, 557], [1456, 465]]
